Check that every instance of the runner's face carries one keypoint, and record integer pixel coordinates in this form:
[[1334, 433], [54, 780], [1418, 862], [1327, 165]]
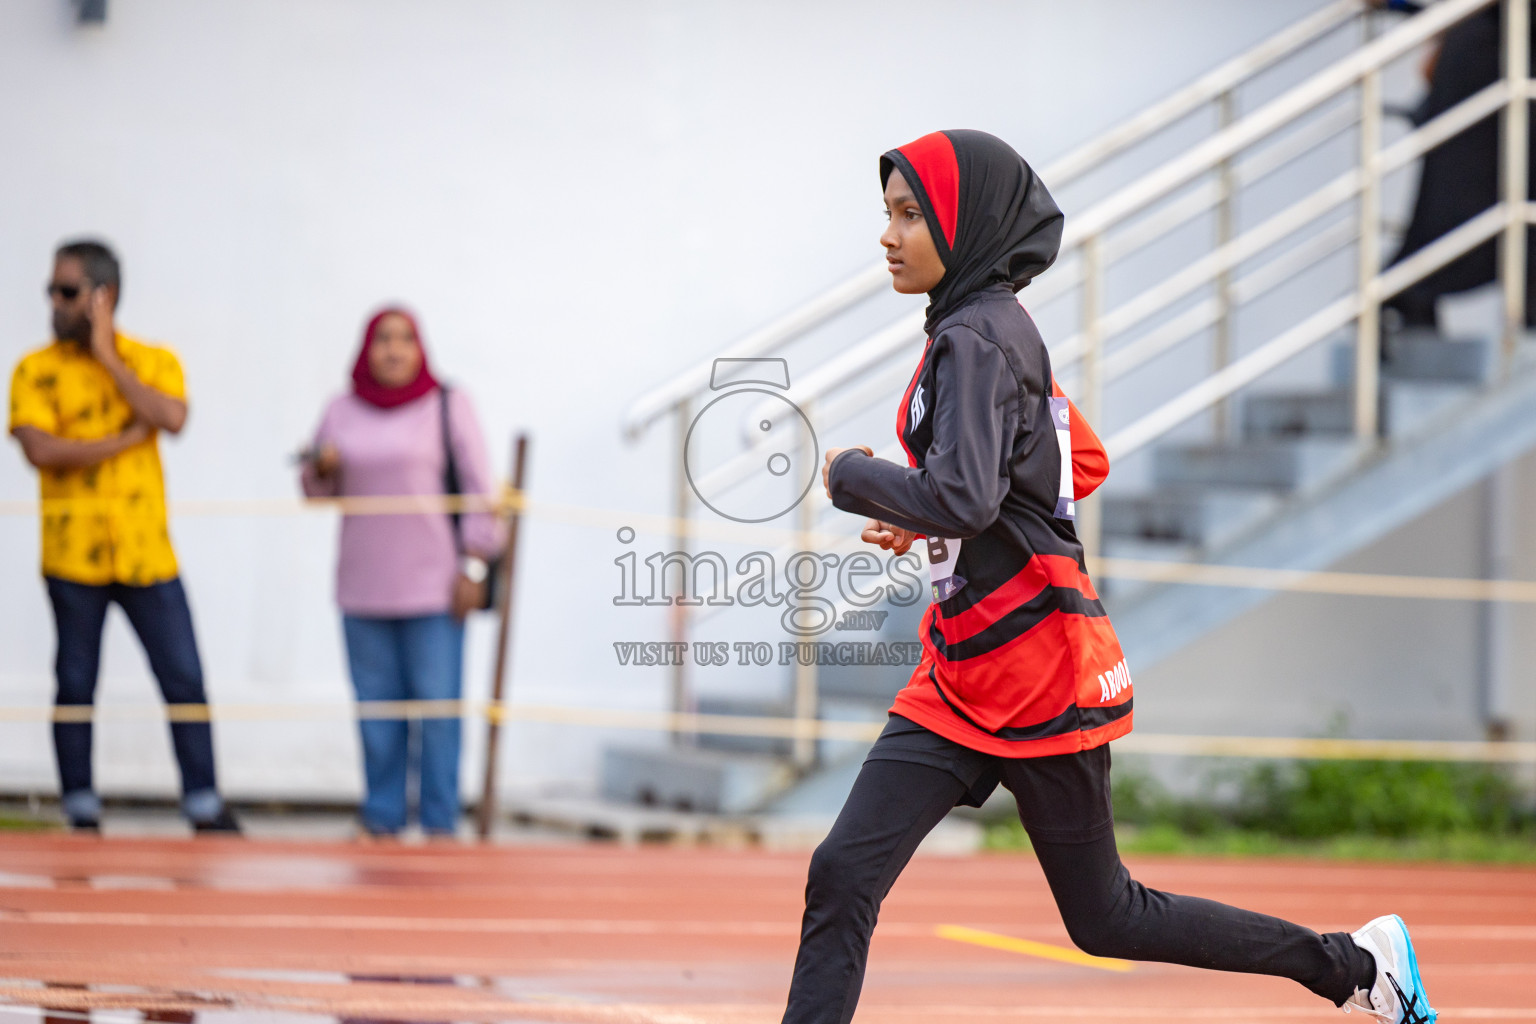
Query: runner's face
[[910, 254], [394, 358]]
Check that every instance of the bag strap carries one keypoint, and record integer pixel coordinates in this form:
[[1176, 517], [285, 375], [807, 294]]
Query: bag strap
[[451, 484]]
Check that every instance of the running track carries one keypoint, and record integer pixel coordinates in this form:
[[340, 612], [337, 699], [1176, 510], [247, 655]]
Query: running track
[[673, 936]]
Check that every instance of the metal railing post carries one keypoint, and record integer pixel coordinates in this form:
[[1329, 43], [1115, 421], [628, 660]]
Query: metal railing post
[[1368, 321], [681, 508], [1515, 172], [1226, 182], [807, 696], [1092, 398]]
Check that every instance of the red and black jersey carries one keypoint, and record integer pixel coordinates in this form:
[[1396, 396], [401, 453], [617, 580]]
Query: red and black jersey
[[1019, 659]]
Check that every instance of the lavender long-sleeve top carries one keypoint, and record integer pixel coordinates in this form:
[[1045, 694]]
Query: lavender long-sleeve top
[[398, 566]]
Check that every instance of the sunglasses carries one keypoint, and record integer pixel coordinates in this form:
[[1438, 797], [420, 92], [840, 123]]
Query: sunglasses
[[67, 292]]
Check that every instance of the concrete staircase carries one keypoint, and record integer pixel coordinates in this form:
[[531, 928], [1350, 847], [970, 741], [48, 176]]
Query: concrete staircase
[[1297, 491], [1208, 497]]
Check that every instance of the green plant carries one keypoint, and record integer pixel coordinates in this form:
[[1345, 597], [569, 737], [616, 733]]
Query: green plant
[[1348, 809], [1392, 799]]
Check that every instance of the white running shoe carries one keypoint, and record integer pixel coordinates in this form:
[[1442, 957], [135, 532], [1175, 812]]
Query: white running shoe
[[1398, 996]]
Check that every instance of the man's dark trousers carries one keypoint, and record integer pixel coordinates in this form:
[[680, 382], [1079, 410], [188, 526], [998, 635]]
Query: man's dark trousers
[[160, 616]]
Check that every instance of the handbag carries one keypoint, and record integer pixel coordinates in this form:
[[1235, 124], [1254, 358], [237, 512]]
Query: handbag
[[453, 487]]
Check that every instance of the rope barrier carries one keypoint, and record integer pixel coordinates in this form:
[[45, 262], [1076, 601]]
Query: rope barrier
[[1343, 584], [1163, 744], [510, 500], [1351, 584]]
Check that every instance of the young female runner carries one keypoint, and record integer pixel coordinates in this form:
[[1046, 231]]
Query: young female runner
[[1022, 680]]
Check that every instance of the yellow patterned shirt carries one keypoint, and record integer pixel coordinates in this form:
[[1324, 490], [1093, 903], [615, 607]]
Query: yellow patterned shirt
[[108, 525]]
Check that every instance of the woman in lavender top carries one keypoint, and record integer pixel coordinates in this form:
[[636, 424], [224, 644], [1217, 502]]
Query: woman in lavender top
[[405, 582]]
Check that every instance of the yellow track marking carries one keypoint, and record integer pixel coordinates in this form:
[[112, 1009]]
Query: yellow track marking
[[1028, 947]]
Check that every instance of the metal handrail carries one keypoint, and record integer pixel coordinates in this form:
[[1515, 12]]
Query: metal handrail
[[1203, 90], [1066, 275], [1277, 113], [660, 401], [1343, 188], [1290, 220], [1123, 136], [1315, 328]]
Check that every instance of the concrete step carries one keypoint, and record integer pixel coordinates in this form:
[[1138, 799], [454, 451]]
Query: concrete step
[[1298, 413], [1406, 405], [1281, 465], [1422, 355], [1203, 517], [692, 779]]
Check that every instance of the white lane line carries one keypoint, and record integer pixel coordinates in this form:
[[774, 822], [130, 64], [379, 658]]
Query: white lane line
[[573, 1011], [351, 922], [581, 926]]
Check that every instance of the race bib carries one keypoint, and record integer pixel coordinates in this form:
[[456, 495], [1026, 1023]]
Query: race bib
[[943, 553], [1061, 416]]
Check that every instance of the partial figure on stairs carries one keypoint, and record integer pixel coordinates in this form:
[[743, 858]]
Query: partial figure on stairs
[[1459, 178]]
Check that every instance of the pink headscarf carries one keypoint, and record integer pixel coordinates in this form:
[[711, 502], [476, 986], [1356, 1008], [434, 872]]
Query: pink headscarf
[[370, 390]]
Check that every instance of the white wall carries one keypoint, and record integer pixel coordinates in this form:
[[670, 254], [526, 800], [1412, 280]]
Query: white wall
[[579, 199]]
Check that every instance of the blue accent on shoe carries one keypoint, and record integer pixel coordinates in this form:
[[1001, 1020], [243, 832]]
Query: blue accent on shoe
[[1415, 1001]]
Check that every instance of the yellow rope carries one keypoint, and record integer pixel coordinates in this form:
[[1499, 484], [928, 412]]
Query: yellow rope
[[1348, 584]]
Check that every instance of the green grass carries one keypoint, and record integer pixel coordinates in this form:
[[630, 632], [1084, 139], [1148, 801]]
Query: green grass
[[22, 823], [1342, 810]]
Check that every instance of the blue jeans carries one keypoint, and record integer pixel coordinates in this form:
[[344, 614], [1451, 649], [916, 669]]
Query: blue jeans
[[160, 616], [418, 658]]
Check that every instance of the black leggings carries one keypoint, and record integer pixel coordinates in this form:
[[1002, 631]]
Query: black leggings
[[894, 804]]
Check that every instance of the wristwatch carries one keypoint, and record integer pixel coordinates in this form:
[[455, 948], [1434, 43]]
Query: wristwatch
[[475, 569]]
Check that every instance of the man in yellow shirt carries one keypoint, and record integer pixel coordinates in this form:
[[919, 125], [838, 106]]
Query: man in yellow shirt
[[87, 410]]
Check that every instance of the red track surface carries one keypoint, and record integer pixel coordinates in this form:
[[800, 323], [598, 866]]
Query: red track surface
[[604, 934]]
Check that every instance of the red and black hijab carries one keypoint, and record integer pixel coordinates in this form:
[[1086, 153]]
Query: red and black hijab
[[991, 218]]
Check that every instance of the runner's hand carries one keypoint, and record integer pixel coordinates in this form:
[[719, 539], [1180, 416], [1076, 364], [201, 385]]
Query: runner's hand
[[832, 453], [888, 536]]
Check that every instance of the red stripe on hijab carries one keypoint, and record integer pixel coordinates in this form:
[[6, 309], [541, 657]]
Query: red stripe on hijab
[[933, 158], [370, 390]]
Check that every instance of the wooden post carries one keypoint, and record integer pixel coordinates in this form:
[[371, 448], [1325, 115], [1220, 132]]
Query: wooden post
[[487, 809]]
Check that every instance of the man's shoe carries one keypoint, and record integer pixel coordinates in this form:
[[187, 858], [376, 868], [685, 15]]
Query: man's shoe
[[87, 827], [225, 823], [1398, 996]]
